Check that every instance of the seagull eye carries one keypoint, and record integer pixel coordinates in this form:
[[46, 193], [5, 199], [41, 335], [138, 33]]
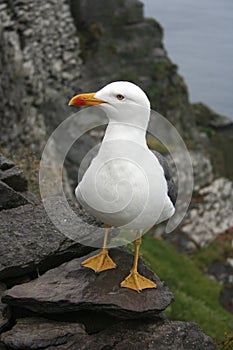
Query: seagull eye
[[120, 97]]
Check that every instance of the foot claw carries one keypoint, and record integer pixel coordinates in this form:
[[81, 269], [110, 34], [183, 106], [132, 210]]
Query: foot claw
[[137, 282], [99, 262]]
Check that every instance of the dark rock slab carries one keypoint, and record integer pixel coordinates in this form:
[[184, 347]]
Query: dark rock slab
[[137, 336], [4, 312], [70, 288], [10, 198], [13, 185], [5, 163], [36, 333], [164, 336], [128, 335], [15, 178], [30, 242]]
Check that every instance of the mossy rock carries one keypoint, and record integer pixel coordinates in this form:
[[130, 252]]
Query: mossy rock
[[29, 163], [219, 131], [204, 116]]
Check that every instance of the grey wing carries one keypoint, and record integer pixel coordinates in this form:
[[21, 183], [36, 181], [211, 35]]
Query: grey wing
[[172, 190]]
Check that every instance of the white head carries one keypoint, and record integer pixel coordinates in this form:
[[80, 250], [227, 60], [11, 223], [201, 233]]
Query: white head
[[123, 102], [122, 93]]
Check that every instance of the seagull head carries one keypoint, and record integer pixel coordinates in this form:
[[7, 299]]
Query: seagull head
[[122, 101]]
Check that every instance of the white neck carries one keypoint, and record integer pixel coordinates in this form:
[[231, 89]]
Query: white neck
[[124, 131]]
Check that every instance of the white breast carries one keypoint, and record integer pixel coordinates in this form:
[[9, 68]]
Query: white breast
[[125, 187]]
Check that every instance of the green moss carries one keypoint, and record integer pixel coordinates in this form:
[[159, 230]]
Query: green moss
[[203, 114], [89, 35], [164, 98], [161, 69], [29, 163], [155, 25], [196, 297], [174, 98], [190, 143], [155, 93], [133, 55], [207, 130], [168, 90], [165, 69], [130, 76]]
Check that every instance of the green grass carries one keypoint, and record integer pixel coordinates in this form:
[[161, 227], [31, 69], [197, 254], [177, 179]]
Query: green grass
[[196, 297]]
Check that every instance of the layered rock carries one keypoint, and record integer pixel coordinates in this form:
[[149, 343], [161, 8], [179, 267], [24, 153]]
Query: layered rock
[[212, 213], [81, 309], [13, 186], [70, 287], [29, 242], [5, 315], [218, 131], [38, 333], [71, 297], [114, 317], [208, 217], [39, 66]]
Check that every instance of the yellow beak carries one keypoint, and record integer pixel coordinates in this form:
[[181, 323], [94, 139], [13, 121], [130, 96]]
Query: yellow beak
[[85, 100]]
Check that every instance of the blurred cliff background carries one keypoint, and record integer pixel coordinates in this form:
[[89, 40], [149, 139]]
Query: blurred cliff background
[[50, 50], [198, 37]]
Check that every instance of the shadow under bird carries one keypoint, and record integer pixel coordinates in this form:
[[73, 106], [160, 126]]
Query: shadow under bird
[[126, 185]]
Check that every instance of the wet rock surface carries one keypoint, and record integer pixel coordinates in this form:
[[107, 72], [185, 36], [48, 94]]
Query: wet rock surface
[[71, 287]]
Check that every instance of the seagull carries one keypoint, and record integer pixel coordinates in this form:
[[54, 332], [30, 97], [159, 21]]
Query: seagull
[[126, 185]]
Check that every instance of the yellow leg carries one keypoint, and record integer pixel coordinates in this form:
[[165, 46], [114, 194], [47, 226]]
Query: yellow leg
[[134, 280], [101, 261]]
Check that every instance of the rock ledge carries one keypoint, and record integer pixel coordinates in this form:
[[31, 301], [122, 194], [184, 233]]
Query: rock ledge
[[71, 288]]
